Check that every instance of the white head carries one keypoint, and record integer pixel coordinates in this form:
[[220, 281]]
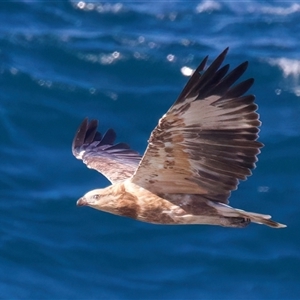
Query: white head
[[100, 199], [90, 198]]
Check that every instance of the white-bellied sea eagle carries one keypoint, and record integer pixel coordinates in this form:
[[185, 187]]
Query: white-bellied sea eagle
[[196, 155]]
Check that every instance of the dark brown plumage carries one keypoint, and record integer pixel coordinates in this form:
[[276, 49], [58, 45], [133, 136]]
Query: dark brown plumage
[[197, 154]]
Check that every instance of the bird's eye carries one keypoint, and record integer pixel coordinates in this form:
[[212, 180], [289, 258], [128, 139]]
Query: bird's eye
[[96, 197]]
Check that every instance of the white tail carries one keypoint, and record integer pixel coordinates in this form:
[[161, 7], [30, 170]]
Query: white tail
[[260, 219], [228, 211]]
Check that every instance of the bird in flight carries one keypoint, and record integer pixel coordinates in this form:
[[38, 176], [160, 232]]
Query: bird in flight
[[196, 155]]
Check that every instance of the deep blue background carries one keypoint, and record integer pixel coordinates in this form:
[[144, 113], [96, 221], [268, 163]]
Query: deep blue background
[[61, 61]]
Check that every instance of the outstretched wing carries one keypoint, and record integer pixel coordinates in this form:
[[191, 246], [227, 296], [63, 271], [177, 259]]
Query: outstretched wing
[[206, 142], [116, 162]]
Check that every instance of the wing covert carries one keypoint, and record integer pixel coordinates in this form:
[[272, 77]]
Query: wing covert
[[206, 142]]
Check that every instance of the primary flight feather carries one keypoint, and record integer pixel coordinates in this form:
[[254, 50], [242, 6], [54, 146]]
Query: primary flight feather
[[196, 155]]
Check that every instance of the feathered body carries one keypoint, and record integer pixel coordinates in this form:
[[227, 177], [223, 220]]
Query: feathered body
[[129, 200], [200, 149]]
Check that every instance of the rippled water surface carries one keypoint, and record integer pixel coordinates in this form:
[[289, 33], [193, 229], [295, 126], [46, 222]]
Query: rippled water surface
[[124, 64]]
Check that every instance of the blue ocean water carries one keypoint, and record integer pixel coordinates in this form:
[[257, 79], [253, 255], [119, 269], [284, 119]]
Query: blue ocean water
[[124, 63]]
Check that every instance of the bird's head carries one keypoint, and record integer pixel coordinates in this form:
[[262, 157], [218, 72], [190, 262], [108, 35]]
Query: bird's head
[[90, 198], [98, 199]]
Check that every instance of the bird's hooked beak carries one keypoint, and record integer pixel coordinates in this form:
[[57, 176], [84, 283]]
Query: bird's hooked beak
[[81, 202]]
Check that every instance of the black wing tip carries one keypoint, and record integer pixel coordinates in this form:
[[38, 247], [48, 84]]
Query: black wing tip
[[224, 52], [202, 76], [194, 79], [87, 133], [215, 80], [109, 137], [80, 135], [219, 60]]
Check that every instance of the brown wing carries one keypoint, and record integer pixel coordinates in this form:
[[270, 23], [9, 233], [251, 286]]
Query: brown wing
[[116, 162], [206, 142]]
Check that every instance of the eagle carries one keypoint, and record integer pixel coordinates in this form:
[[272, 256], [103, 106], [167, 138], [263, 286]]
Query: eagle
[[196, 155]]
